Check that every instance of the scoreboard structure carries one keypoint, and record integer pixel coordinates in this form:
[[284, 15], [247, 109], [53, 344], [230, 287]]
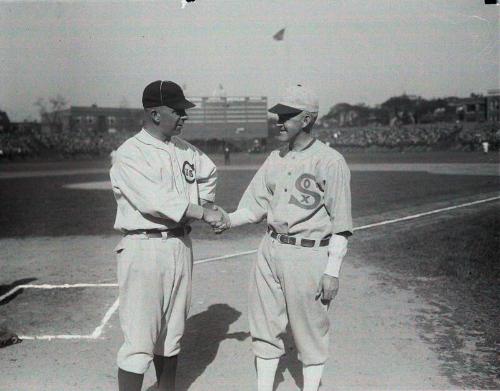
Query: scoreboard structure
[[231, 119]]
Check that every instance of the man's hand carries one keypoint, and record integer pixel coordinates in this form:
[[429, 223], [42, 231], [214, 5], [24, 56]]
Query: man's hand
[[212, 216], [217, 218], [327, 288], [225, 222]]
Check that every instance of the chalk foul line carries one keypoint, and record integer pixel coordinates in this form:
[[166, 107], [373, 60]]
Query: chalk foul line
[[97, 333]]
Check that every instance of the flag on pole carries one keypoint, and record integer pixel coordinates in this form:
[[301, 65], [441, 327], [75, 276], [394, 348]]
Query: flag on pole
[[279, 35]]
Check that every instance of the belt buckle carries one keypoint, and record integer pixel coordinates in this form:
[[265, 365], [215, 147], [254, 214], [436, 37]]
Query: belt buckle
[[285, 239]]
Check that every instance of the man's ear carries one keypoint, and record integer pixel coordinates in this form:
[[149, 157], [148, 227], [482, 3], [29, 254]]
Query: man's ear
[[306, 121], [155, 116]]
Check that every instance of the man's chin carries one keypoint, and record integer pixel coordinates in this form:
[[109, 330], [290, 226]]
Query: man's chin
[[283, 137]]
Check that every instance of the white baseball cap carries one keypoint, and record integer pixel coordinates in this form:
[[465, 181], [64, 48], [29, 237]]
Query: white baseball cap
[[297, 98]]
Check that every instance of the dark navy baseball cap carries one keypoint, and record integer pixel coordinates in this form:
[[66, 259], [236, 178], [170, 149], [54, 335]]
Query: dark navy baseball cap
[[165, 93]]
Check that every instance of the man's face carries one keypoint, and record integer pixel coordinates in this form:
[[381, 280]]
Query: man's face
[[290, 126], [171, 120]]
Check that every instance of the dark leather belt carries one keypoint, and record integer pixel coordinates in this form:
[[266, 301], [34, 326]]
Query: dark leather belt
[[156, 233], [286, 239]]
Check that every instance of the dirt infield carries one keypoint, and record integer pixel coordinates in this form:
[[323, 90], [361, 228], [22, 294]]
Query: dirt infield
[[377, 339], [217, 334], [392, 326]]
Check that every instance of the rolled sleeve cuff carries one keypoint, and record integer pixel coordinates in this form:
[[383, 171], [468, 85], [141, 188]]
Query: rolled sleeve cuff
[[333, 266], [342, 227], [177, 213]]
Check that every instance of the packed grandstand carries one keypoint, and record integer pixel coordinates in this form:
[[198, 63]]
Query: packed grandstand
[[81, 143]]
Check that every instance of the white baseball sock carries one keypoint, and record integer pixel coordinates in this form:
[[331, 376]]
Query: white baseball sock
[[312, 376], [266, 370]]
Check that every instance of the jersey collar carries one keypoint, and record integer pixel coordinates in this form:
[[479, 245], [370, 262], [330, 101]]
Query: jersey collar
[[144, 137], [308, 145]]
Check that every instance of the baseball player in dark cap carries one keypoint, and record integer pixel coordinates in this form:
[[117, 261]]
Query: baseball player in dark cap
[[160, 183], [303, 190]]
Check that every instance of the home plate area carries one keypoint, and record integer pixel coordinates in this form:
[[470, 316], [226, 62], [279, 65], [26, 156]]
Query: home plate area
[[44, 313]]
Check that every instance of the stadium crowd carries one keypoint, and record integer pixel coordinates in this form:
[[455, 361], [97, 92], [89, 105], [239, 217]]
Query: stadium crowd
[[461, 136], [421, 137], [60, 144]]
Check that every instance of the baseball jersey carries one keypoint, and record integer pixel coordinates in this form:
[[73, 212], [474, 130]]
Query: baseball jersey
[[154, 181], [305, 193]]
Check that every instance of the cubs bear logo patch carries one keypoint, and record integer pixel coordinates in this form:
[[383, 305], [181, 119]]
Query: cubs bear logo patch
[[188, 171], [309, 199]]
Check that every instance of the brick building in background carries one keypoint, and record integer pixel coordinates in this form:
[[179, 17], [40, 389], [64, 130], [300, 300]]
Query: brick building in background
[[214, 120], [97, 119]]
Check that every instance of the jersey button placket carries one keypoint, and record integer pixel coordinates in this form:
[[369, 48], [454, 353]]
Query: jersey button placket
[[289, 179]]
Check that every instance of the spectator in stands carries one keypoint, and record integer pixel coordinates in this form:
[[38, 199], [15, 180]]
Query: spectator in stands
[[227, 154]]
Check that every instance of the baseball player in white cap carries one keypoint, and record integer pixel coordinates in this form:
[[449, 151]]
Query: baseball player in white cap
[[160, 183], [304, 192]]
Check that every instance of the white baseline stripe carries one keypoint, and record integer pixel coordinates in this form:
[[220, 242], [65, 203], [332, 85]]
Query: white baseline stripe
[[11, 292], [60, 336], [431, 212], [49, 286], [205, 260], [67, 286], [109, 313]]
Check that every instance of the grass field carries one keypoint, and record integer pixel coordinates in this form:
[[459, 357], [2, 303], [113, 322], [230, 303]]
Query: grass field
[[419, 299]]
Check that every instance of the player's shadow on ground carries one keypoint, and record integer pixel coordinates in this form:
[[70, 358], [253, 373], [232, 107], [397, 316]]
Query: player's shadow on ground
[[204, 333], [289, 361], [8, 287]]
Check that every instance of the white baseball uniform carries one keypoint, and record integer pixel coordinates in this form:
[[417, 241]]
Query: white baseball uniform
[[153, 183], [305, 195]]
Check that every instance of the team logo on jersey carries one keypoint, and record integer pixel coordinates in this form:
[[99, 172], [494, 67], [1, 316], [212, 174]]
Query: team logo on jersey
[[188, 171], [309, 199]]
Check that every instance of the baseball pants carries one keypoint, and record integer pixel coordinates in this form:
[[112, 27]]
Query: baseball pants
[[282, 289], [154, 279]]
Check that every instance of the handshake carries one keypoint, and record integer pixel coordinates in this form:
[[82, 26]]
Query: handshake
[[217, 218]]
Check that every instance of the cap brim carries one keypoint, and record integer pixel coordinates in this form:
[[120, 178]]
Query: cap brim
[[281, 109], [182, 105]]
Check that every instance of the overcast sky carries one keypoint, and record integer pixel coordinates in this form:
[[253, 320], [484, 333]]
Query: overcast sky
[[348, 51]]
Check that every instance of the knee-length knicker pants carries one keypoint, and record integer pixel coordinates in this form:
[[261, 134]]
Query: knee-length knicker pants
[[282, 289], [154, 278]]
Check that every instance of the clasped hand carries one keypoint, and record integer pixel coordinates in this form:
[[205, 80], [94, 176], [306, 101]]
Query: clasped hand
[[217, 218]]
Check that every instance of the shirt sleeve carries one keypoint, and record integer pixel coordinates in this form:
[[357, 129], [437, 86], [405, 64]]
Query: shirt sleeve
[[206, 176], [257, 196], [146, 190], [338, 195], [241, 217]]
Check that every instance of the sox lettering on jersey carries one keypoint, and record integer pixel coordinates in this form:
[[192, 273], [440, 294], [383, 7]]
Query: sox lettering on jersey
[[188, 171], [309, 199]]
